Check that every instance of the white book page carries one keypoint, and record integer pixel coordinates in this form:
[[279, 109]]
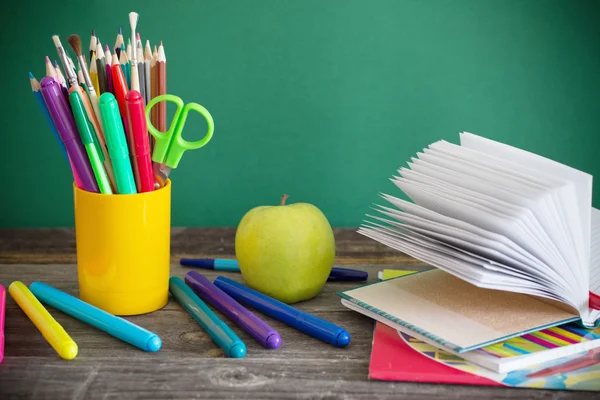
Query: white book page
[[464, 270], [514, 212], [479, 215], [512, 277], [474, 234], [577, 208], [472, 244], [544, 192]]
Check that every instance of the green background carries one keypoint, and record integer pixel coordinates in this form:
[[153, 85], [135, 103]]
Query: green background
[[319, 99]]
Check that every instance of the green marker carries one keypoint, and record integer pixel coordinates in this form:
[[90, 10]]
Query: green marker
[[117, 144], [91, 146]]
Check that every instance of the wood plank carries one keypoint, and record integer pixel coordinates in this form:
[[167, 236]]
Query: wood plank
[[190, 364], [57, 245]]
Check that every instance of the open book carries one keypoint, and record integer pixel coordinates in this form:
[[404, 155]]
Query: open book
[[499, 218]]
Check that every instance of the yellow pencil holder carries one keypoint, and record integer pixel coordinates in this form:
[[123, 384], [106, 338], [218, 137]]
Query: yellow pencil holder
[[123, 249]]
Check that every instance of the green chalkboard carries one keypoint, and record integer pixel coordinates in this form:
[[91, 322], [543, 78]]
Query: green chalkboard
[[320, 99]]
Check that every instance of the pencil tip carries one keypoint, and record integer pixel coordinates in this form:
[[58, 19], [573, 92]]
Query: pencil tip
[[31, 76], [93, 32], [161, 42], [48, 60], [55, 64], [137, 36], [120, 30]]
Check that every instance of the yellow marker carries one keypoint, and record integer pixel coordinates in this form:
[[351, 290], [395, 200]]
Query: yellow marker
[[53, 332]]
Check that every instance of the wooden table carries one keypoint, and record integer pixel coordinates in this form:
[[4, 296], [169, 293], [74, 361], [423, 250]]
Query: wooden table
[[190, 365]]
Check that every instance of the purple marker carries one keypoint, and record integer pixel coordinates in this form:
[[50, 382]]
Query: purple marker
[[65, 125], [254, 326]]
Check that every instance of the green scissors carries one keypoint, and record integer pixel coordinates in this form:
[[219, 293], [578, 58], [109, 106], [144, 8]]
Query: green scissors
[[170, 146]]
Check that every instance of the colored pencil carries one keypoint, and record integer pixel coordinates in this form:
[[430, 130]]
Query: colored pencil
[[109, 78], [141, 67], [93, 43], [154, 111], [101, 68], [50, 70], [94, 74], [124, 61], [148, 74], [118, 42], [35, 88], [161, 87]]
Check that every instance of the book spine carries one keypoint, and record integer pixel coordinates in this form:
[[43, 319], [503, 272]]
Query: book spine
[[398, 321]]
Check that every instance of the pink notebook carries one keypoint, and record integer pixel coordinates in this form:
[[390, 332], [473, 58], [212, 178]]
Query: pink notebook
[[397, 356]]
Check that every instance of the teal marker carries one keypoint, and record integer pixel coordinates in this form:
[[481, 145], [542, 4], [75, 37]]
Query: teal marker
[[90, 142], [111, 324], [117, 144], [216, 328]]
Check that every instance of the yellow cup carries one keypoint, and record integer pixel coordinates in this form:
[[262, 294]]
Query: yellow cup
[[123, 249]]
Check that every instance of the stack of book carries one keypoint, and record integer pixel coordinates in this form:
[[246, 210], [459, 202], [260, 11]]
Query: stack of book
[[514, 246]]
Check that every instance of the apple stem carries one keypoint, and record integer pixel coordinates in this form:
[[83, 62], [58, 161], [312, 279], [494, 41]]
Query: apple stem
[[283, 199]]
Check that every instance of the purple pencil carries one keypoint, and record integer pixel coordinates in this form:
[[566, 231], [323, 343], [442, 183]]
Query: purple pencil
[[109, 79], [65, 125], [254, 326]]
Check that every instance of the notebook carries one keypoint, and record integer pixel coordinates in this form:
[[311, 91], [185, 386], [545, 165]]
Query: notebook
[[522, 351], [513, 237], [397, 356]]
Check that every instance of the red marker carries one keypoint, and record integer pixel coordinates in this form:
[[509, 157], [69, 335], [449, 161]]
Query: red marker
[[136, 118], [120, 91]]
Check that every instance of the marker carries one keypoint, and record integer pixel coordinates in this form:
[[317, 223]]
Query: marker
[[337, 274], [2, 312], [307, 323], [111, 324], [139, 141], [65, 126], [250, 323], [117, 145], [90, 142], [52, 331], [217, 329]]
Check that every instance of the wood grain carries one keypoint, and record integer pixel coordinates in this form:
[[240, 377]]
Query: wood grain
[[190, 365], [57, 245]]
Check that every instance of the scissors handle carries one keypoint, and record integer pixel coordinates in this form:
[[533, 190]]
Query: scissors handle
[[170, 146]]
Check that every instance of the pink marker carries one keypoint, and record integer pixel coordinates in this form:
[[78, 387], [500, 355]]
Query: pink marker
[[2, 311]]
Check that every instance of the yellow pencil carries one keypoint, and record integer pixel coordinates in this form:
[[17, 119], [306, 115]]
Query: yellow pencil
[[94, 74], [52, 331]]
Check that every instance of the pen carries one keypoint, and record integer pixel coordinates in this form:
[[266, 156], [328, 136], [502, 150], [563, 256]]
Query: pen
[[86, 132], [138, 131], [111, 324], [216, 328], [117, 145], [337, 274], [249, 322], [307, 323], [65, 125], [52, 331], [2, 313]]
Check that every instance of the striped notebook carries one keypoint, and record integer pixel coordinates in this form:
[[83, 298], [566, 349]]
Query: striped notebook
[[526, 350]]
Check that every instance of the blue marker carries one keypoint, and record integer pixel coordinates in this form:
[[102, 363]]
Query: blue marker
[[111, 324], [337, 274], [215, 327], [211, 263], [307, 323]]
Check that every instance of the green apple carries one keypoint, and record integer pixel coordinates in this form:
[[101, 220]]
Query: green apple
[[285, 251]]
